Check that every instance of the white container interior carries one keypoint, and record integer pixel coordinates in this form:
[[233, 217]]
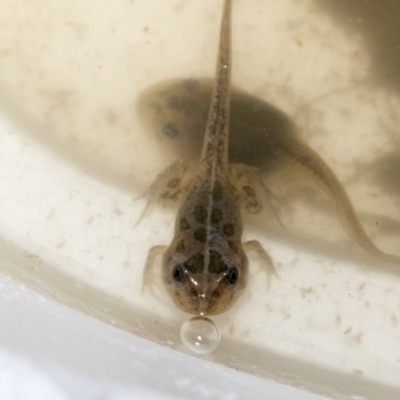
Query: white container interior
[[73, 157]]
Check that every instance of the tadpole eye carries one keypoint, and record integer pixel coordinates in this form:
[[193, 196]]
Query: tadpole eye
[[232, 277], [177, 273]]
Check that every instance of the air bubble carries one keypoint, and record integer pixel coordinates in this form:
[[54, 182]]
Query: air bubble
[[200, 335]]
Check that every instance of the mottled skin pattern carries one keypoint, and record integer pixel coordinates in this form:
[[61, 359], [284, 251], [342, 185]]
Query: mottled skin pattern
[[205, 267]]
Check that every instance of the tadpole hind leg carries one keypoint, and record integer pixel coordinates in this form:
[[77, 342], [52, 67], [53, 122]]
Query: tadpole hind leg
[[167, 188], [252, 192]]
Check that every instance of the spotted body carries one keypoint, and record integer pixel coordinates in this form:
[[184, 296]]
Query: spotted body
[[205, 267]]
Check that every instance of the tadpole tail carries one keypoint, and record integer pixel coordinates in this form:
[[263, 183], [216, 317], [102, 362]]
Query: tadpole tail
[[306, 158]]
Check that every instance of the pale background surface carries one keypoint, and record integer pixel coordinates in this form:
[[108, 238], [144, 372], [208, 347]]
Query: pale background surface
[[50, 352], [72, 157]]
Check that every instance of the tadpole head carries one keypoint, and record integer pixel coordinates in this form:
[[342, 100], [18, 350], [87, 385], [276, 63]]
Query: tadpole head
[[204, 284]]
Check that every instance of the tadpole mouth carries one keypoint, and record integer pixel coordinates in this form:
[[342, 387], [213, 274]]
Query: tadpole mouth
[[207, 303]]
